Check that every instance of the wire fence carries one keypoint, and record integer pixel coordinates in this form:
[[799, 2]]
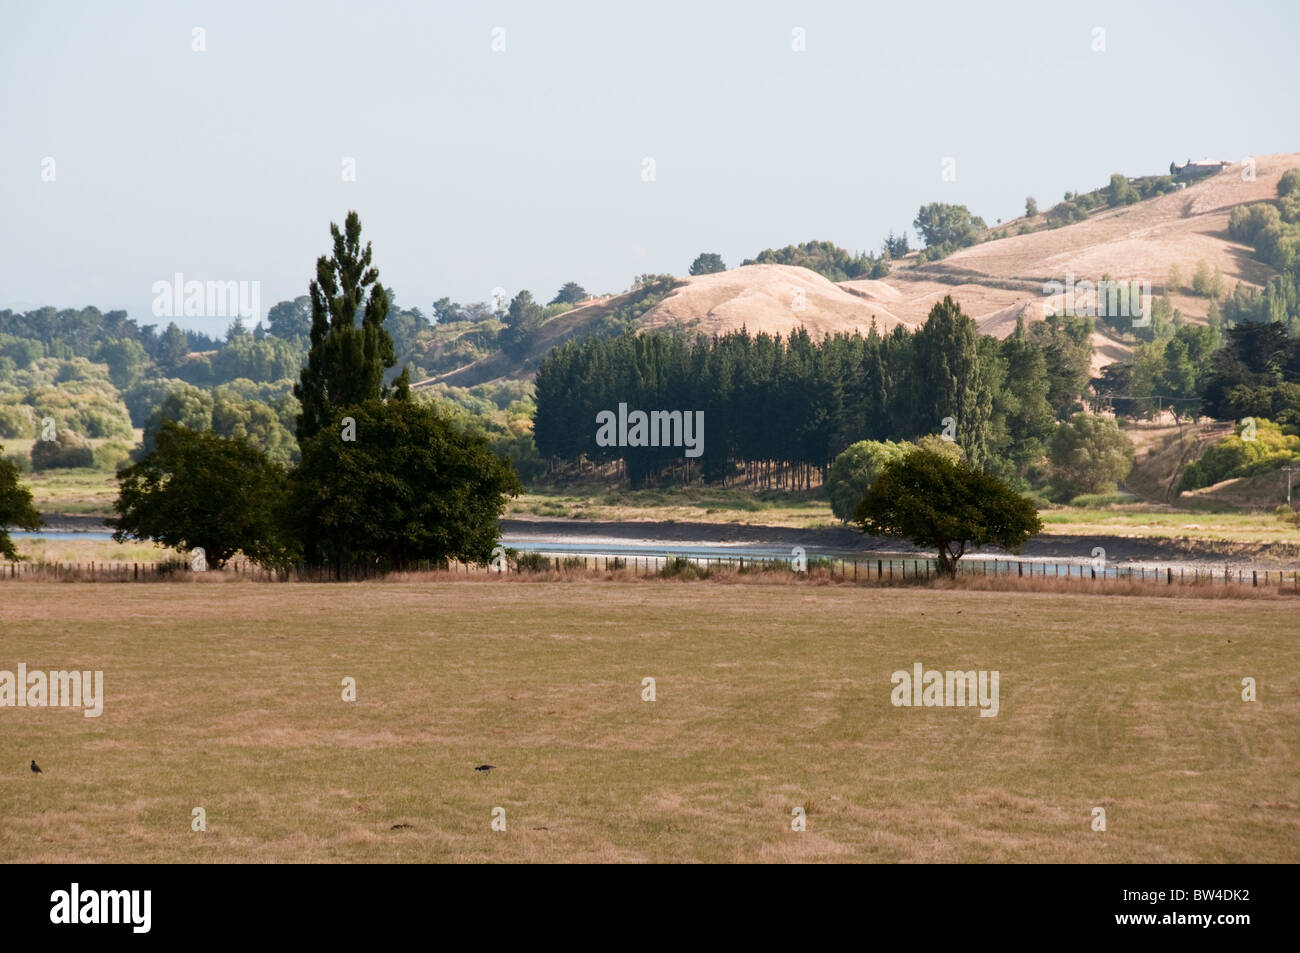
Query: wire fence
[[882, 570]]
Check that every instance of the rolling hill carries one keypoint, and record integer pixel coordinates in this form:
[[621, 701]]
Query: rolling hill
[[995, 282]]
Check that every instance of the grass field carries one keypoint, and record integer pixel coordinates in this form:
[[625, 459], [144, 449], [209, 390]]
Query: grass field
[[769, 697]]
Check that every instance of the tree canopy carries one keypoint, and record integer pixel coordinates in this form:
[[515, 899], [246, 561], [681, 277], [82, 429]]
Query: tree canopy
[[410, 488], [347, 360], [943, 504], [16, 508], [707, 263], [196, 489]]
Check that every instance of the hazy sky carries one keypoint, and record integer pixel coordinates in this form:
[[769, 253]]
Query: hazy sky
[[524, 168]]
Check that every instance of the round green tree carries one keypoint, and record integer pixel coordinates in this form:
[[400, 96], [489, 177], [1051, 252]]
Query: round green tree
[[942, 504], [854, 470], [391, 484], [16, 508]]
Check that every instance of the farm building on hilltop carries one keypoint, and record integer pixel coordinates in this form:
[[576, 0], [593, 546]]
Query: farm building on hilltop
[[1198, 168]]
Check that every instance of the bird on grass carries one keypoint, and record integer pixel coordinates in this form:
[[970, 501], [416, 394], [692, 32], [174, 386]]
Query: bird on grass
[[485, 767], [36, 768]]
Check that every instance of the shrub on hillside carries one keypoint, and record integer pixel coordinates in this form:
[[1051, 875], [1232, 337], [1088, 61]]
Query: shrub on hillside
[[1234, 456]]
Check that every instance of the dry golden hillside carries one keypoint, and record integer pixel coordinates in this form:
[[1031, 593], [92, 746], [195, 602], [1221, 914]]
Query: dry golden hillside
[[776, 299], [1000, 280], [995, 282]]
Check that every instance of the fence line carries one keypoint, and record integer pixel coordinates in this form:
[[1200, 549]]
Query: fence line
[[878, 571]]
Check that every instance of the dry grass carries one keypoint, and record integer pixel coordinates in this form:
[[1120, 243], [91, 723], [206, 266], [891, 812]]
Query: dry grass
[[769, 697]]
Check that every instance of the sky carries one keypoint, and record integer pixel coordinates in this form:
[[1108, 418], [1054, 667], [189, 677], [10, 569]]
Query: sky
[[505, 145]]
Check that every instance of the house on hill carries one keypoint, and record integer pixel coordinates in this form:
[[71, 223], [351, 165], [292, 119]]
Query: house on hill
[[1195, 169]]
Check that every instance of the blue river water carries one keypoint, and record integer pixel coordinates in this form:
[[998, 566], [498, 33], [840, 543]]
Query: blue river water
[[652, 554]]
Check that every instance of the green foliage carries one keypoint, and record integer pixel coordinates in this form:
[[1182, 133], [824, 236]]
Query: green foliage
[[112, 455], [1236, 456], [1120, 191], [1205, 283], [522, 321], [1022, 411], [854, 470], [945, 228], [528, 562], [144, 397], [1245, 222], [347, 360], [290, 320], [1255, 374], [945, 505], [66, 451], [200, 490], [1088, 454], [1170, 374], [681, 567], [825, 258], [895, 246], [1031, 206], [707, 263], [16, 508], [224, 411], [17, 420], [270, 359], [790, 403], [951, 381], [570, 293], [187, 405], [1066, 343], [126, 358], [410, 488], [90, 408]]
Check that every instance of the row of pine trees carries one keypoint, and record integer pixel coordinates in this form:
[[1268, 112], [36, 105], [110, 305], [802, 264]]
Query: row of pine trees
[[778, 410]]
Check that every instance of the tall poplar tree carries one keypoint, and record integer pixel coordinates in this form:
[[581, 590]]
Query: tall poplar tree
[[347, 360], [950, 382]]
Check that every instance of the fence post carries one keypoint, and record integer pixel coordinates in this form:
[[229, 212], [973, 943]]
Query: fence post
[[879, 570]]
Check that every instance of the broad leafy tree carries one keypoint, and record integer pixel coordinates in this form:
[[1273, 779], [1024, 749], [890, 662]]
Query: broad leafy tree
[[196, 489], [407, 488], [16, 508], [854, 470], [943, 504], [1089, 454]]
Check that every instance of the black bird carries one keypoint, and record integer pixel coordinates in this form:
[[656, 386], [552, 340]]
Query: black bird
[[36, 769], [481, 767]]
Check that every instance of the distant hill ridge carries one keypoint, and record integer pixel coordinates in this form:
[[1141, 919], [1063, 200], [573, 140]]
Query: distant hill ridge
[[996, 282]]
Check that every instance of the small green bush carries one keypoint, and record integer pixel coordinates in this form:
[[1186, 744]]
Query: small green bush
[[66, 451]]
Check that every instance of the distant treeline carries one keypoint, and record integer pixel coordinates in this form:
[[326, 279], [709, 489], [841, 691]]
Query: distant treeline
[[774, 405]]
